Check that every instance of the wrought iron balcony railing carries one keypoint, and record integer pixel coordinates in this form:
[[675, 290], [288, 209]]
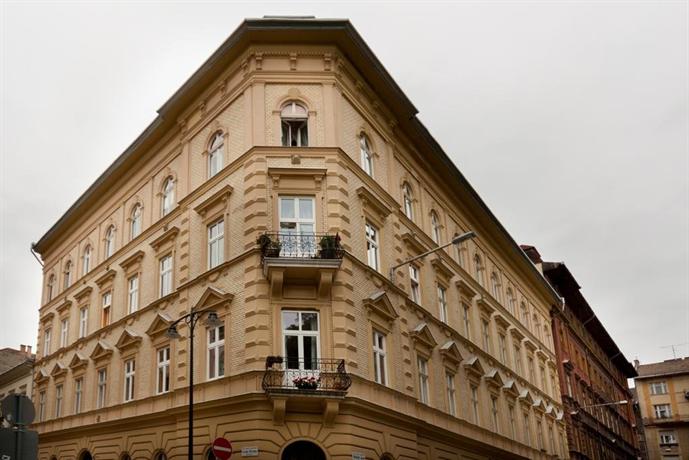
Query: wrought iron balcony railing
[[300, 245], [306, 376]]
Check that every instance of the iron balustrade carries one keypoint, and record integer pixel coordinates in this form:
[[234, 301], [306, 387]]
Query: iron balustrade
[[311, 376], [300, 245]]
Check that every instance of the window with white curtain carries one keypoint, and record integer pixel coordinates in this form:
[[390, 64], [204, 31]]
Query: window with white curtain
[[129, 371], [110, 241], [166, 275], [372, 246], [379, 357], [133, 293], [135, 223], [294, 120], [168, 200], [215, 154], [216, 352], [216, 239], [366, 155], [423, 379], [163, 374]]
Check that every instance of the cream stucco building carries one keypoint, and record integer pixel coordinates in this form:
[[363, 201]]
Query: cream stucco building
[[277, 187]]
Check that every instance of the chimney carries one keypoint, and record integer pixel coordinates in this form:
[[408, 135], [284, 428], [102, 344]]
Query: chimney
[[28, 349], [636, 364], [22, 348]]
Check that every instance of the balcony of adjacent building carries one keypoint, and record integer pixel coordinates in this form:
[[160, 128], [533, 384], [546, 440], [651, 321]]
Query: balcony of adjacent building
[[305, 384], [300, 264]]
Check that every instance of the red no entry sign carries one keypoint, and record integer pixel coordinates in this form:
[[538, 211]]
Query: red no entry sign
[[222, 449]]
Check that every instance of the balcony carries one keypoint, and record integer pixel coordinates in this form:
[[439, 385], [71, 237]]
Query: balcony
[[307, 384], [300, 264]]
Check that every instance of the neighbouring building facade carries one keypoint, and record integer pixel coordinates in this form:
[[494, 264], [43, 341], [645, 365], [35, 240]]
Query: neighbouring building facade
[[277, 188], [599, 407], [663, 392], [16, 371]]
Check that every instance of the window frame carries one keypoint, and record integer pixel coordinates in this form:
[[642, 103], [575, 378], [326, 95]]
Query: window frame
[[106, 308], [129, 379], [216, 155], [83, 321], [102, 387], [109, 248], [64, 332], [451, 393], [366, 154], [442, 304], [289, 122], [167, 199], [78, 394], [163, 369], [372, 246], [424, 377], [133, 294], [408, 200], [136, 223], [215, 243], [59, 396], [165, 275], [215, 346], [380, 358]]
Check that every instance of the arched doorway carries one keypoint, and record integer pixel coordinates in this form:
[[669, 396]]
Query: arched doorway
[[85, 455], [303, 450]]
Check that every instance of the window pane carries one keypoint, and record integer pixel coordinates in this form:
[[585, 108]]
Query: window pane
[[290, 320], [305, 208], [287, 208], [211, 363], [310, 353], [292, 351], [221, 360], [309, 321]]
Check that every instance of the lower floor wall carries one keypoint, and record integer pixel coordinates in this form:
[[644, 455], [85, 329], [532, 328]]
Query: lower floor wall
[[679, 449], [358, 431]]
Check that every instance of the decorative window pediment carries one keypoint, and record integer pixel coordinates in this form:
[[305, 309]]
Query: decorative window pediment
[[485, 306], [541, 354], [510, 387], [550, 411], [493, 378], [168, 237], [539, 405], [568, 364], [525, 397], [78, 361], [48, 317], [213, 297], [421, 334], [101, 351], [516, 334], [450, 353], [106, 279], [41, 375], [560, 416], [465, 289], [83, 294], [297, 178], [215, 202], [64, 307], [413, 243], [501, 321], [442, 269], [372, 203], [379, 304], [473, 366], [133, 262], [128, 339], [529, 345], [59, 369], [159, 325]]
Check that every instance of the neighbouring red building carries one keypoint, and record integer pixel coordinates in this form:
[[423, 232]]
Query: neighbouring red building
[[593, 372]]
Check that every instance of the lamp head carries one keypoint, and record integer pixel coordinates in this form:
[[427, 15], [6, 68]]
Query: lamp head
[[465, 236], [172, 333], [213, 320]]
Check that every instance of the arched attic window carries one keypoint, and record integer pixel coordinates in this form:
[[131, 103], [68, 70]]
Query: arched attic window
[[168, 200], [86, 260], [366, 154], [68, 274], [215, 154], [136, 221], [435, 227], [510, 300], [294, 120], [110, 241], [495, 285], [478, 269], [408, 198], [50, 288]]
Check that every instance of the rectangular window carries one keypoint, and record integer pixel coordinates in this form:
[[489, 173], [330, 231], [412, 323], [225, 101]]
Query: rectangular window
[[379, 365], [662, 410], [83, 322], [494, 413], [442, 304], [474, 404], [658, 388], [502, 342], [485, 335], [372, 246], [301, 342], [166, 275], [551, 438], [78, 387], [216, 352], [105, 312], [451, 393], [544, 382], [518, 359], [539, 434], [163, 376], [668, 437], [297, 226], [133, 293], [423, 380], [41, 406], [527, 430], [64, 332], [46, 341], [58, 401], [102, 387], [466, 319], [414, 283], [532, 371], [216, 245], [513, 422], [129, 370]]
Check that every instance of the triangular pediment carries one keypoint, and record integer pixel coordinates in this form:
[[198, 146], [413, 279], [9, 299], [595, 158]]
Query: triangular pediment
[[41, 375], [128, 339], [450, 352], [493, 377], [211, 297], [539, 404], [101, 351], [510, 387], [379, 304], [473, 365], [550, 411], [414, 244], [525, 396], [441, 268], [78, 360], [58, 369], [159, 325], [422, 334]]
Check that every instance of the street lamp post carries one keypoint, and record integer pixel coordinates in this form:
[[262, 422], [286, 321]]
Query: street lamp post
[[456, 240], [191, 319]]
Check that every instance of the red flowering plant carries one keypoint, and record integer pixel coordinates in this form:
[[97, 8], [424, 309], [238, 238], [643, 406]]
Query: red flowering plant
[[306, 383]]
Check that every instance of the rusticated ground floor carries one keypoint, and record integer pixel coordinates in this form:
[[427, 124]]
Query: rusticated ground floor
[[306, 429]]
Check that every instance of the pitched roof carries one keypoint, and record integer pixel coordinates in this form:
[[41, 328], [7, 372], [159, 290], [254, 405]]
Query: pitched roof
[[11, 358], [667, 367]]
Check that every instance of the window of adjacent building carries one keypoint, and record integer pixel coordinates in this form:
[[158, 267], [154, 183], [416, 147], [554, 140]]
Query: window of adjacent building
[[474, 404], [408, 198], [51, 287], [110, 241], [135, 224], [495, 285], [168, 200], [294, 120], [86, 261], [215, 154], [414, 283], [216, 245], [102, 387], [83, 321], [366, 155], [129, 371], [478, 269], [78, 388], [301, 339], [379, 357], [527, 430], [451, 393], [372, 246], [658, 388], [423, 379], [163, 374], [502, 343], [442, 304], [512, 421], [668, 437], [41, 406], [517, 359], [68, 274], [106, 309], [133, 293], [662, 410], [494, 413], [485, 334], [435, 227], [216, 352], [58, 400], [64, 332], [510, 301], [46, 341], [466, 319], [297, 226], [166, 275]]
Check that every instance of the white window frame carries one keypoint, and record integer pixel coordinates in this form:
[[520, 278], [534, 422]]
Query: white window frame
[[86, 261], [658, 388], [466, 319], [51, 287], [47, 336], [59, 395], [102, 385], [485, 335], [78, 393], [215, 154], [414, 283], [513, 422], [422, 364], [667, 437], [167, 201], [527, 429], [165, 275], [451, 393], [662, 410], [68, 274], [379, 358], [83, 322], [41, 406], [435, 227], [478, 268], [110, 241], [106, 309], [301, 230], [292, 121], [163, 370], [408, 200], [502, 343], [135, 226], [216, 353], [216, 243], [372, 246], [495, 286], [442, 304], [495, 412], [473, 389], [129, 375], [133, 293], [518, 368], [366, 155], [64, 332], [300, 334]]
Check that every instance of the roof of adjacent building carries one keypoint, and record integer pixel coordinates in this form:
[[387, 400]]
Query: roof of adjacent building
[[11, 358], [667, 367]]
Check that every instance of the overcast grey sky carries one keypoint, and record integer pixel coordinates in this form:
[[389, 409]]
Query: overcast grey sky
[[570, 120]]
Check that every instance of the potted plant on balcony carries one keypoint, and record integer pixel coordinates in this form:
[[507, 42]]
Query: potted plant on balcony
[[306, 383], [330, 246], [269, 247]]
